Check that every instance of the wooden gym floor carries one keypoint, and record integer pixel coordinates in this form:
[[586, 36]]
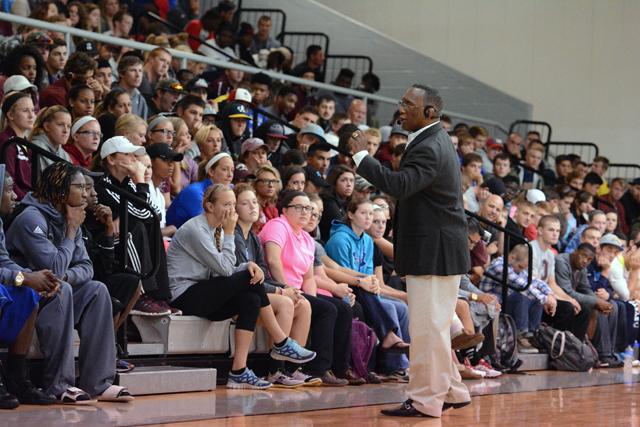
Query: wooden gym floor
[[599, 398]]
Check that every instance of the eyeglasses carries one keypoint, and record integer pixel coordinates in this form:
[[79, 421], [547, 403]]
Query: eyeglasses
[[165, 131], [90, 132], [316, 215], [407, 106], [300, 208], [268, 182]]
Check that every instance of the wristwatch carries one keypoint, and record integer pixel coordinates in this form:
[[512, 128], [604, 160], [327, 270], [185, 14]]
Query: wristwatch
[[19, 279], [474, 297]]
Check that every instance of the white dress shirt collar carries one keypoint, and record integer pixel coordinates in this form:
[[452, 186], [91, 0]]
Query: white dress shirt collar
[[413, 135]]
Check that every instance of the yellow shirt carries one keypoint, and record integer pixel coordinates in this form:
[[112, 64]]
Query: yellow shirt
[[604, 189]]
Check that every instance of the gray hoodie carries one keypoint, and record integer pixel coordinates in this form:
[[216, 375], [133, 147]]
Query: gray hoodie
[[8, 268], [37, 239], [42, 141]]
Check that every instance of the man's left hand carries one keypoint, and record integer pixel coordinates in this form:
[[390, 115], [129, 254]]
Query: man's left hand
[[358, 142]]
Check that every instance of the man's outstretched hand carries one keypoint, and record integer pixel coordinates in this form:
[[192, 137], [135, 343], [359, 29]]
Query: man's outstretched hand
[[357, 142]]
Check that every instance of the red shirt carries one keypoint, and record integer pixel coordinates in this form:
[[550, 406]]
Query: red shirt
[[194, 28], [77, 158], [385, 154], [55, 94]]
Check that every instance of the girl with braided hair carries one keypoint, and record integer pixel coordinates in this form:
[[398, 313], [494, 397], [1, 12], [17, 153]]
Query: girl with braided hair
[[46, 234]]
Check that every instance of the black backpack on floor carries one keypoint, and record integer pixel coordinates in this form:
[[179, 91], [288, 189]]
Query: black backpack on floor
[[566, 352]]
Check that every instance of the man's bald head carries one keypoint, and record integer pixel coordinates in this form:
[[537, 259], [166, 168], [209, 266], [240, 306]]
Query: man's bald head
[[491, 207], [358, 112]]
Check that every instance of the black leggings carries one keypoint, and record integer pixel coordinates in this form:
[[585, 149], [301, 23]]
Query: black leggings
[[330, 335], [221, 298]]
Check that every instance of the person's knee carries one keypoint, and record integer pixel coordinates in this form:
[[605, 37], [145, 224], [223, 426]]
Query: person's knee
[[303, 309], [286, 305], [252, 301], [65, 291], [343, 311], [325, 309]]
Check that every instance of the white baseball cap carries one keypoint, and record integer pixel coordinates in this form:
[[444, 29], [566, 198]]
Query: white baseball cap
[[534, 196], [120, 144], [333, 140], [17, 83]]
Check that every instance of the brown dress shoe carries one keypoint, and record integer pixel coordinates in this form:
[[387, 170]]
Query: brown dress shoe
[[466, 340], [330, 380], [352, 378]]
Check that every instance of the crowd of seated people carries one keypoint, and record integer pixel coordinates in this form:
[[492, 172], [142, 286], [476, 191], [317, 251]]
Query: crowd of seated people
[[263, 217]]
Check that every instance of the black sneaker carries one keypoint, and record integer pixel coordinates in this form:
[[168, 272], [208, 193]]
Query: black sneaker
[[7, 400], [28, 394]]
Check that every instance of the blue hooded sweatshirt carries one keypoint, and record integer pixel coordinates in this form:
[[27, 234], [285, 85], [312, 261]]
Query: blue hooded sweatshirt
[[349, 250], [37, 239]]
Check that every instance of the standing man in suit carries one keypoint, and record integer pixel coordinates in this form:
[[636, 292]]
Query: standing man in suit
[[431, 247]]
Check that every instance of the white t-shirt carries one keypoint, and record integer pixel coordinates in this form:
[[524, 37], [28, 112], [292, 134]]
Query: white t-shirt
[[544, 263]]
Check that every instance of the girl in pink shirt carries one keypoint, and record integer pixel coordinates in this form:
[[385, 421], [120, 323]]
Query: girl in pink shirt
[[289, 252]]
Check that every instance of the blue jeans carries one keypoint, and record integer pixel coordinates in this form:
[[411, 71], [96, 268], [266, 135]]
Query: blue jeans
[[526, 312], [399, 311]]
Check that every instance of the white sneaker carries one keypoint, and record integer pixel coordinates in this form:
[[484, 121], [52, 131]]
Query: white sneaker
[[282, 380], [483, 366], [307, 380]]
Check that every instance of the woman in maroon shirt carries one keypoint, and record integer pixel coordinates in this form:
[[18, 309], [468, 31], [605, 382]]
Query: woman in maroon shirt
[[18, 117], [84, 141]]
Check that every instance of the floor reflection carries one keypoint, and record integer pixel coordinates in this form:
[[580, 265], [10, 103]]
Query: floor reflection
[[235, 403]]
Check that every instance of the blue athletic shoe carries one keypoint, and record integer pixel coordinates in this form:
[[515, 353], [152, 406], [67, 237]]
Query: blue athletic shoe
[[247, 380], [292, 352]]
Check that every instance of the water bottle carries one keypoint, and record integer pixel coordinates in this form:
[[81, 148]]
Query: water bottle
[[492, 310], [636, 350], [628, 359]]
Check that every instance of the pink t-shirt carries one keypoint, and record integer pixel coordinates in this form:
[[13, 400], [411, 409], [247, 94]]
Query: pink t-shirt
[[296, 249]]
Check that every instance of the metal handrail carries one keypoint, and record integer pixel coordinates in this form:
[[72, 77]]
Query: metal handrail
[[504, 280], [570, 144], [71, 31], [189, 56], [127, 197], [530, 122], [282, 35], [621, 165], [200, 40]]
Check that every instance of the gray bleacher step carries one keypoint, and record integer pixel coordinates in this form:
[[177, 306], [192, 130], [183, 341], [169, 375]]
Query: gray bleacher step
[[533, 362], [168, 379]]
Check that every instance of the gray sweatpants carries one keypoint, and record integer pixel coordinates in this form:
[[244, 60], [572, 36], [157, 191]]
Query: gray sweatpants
[[86, 308]]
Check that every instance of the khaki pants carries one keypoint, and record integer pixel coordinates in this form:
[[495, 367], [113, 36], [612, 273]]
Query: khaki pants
[[434, 378]]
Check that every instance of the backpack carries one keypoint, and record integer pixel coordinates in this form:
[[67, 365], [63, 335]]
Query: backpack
[[506, 357], [567, 353], [363, 341]]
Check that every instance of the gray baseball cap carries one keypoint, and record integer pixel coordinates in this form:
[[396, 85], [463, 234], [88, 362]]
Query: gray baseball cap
[[314, 129], [611, 240]]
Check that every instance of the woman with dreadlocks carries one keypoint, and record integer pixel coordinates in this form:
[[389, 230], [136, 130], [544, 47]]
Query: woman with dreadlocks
[[45, 234]]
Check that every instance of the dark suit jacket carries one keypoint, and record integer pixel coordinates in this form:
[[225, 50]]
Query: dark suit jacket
[[430, 226]]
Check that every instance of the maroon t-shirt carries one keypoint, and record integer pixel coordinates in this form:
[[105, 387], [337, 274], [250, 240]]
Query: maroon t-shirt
[[18, 163]]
